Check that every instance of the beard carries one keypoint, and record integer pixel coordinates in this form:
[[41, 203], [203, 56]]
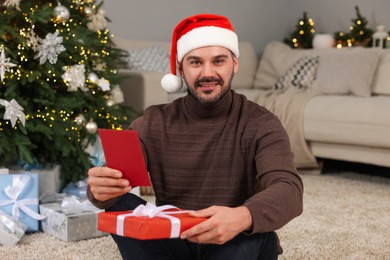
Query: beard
[[217, 98]]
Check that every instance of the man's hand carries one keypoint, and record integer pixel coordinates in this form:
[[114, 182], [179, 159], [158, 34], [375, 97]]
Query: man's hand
[[106, 183], [224, 224]]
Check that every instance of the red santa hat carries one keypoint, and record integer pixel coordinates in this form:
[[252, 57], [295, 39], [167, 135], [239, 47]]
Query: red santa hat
[[194, 32]]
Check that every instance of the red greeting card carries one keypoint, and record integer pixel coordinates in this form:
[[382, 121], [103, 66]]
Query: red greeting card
[[122, 150]]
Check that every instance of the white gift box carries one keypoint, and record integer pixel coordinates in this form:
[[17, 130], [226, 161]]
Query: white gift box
[[11, 230], [4, 171], [71, 223], [49, 179]]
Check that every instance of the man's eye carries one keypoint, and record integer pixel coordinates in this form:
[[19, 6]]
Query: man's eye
[[219, 61], [195, 62]]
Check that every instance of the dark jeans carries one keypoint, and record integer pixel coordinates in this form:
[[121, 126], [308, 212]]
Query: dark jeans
[[257, 246]]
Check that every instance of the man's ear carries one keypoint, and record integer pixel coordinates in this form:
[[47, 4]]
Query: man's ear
[[181, 70], [235, 64]]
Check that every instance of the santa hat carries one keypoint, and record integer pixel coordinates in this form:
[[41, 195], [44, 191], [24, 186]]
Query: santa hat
[[194, 32]]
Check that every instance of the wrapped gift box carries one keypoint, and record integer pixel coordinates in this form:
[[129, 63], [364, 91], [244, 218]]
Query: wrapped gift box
[[166, 224], [70, 223], [4, 171], [23, 189], [11, 230], [78, 189], [49, 178]]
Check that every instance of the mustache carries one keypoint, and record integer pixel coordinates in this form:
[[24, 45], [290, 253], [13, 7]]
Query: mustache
[[207, 80]]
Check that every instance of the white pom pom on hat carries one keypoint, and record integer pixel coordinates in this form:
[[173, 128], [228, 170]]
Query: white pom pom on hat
[[194, 32], [171, 83]]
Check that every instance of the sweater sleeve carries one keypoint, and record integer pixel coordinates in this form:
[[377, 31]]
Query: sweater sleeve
[[280, 195], [100, 204]]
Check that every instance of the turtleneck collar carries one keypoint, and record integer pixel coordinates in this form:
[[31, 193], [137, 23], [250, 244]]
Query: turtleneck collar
[[213, 113]]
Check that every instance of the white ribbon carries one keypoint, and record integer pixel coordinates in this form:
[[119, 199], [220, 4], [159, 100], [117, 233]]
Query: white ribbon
[[11, 224], [19, 183], [72, 202], [151, 211]]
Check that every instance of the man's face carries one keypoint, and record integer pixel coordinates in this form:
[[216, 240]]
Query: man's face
[[208, 72]]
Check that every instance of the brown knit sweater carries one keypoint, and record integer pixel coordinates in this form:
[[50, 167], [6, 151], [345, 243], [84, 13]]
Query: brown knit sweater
[[234, 153]]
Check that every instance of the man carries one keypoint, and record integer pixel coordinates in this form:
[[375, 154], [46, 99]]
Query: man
[[212, 151]]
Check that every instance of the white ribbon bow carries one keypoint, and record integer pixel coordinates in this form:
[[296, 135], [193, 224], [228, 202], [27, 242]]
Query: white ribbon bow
[[151, 211], [19, 183]]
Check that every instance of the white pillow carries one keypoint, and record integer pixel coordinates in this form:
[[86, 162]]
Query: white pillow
[[340, 71], [301, 75], [381, 82], [154, 58], [348, 71]]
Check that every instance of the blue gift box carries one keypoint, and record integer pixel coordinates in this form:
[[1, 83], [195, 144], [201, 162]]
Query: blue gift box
[[78, 189], [23, 189]]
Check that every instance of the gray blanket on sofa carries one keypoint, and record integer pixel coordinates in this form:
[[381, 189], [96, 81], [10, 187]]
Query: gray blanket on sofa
[[288, 105]]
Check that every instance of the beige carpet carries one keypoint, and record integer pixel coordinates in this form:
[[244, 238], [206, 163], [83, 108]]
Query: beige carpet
[[346, 216]]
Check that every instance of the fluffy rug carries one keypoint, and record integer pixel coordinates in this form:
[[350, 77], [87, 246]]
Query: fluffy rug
[[346, 216]]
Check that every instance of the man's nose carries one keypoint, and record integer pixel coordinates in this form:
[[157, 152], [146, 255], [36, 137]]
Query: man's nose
[[208, 70]]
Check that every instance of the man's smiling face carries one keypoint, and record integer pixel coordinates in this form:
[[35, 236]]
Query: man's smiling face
[[208, 72]]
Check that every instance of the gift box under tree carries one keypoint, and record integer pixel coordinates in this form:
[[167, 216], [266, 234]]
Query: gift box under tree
[[11, 230], [71, 220], [19, 198]]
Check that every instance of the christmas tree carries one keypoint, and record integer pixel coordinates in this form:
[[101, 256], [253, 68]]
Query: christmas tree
[[359, 34], [302, 36], [59, 83]]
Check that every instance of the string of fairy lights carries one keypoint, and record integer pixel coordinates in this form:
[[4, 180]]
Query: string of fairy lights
[[66, 27]]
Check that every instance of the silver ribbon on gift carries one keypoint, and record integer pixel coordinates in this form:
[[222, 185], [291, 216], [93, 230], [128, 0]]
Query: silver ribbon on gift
[[12, 224], [72, 202], [19, 183], [151, 211]]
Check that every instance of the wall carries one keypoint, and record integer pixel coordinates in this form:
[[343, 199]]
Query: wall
[[257, 21]]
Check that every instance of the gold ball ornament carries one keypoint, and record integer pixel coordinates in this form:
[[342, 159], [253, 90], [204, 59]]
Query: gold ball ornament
[[88, 11], [91, 127], [61, 13], [80, 119]]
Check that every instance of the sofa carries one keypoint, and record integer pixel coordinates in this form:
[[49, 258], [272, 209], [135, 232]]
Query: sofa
[[347, 118]]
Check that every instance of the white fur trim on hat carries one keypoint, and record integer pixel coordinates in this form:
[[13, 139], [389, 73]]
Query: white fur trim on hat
[[207, 36], [171, 83]]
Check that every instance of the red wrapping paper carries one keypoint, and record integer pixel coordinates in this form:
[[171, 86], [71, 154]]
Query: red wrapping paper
[[145, 228]]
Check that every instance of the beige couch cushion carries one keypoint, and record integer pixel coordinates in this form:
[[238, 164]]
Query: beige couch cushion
[[381, 82], [348, 120], [346, 71], [340, 71], [248, 61]]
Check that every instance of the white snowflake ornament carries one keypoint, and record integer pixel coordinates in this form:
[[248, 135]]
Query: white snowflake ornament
[[4, 64], [32, 40], [15, 3], [13, 111], [98, 21], [116, 95], [74, 77], [103, 84], [50, 48]]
